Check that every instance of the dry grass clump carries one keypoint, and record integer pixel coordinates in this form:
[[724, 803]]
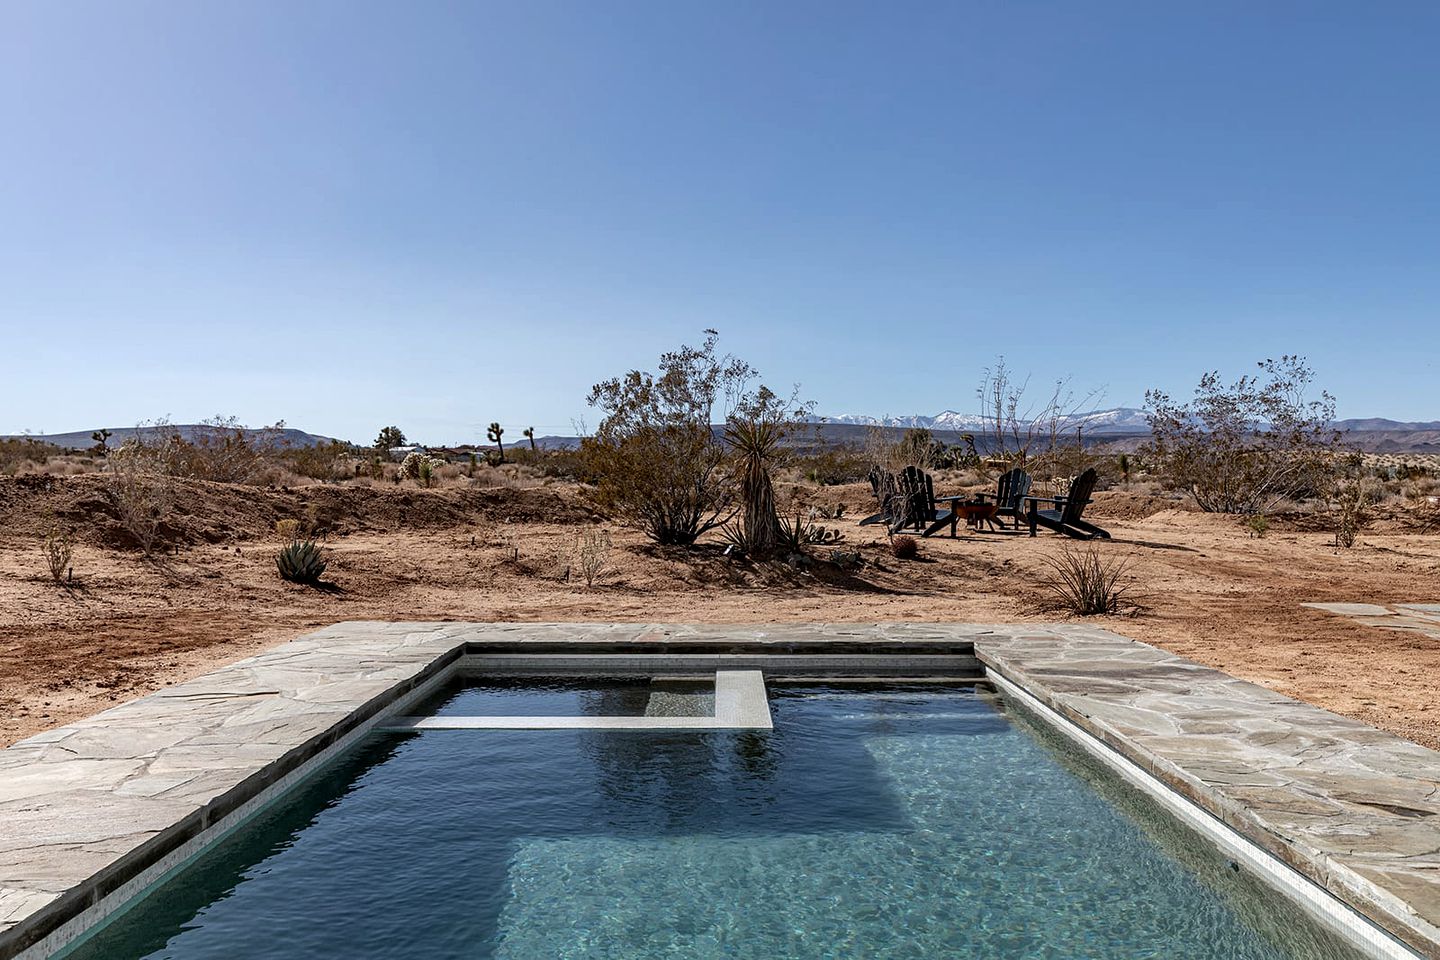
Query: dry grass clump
[[592, 555], [59, 548], [1087, 582]]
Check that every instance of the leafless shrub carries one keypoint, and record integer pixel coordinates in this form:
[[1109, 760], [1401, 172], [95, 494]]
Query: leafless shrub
[[1087, 582], [1351, 502], [1244, 447], [59, 547], [140, 490], [287, 530], [1018, 430], [592, 555]]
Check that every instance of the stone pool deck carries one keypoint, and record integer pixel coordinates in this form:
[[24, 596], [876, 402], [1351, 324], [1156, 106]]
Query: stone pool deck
[[92, 812]]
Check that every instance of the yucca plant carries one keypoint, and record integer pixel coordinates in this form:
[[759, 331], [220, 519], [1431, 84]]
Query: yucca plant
[[755, 435], [300, 562]]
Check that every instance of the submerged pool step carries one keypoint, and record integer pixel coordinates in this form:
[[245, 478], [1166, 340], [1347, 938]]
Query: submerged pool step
[[741, 703]]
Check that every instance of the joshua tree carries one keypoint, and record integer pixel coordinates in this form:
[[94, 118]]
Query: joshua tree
[[493, 434], [389, 437], [101, 437], [529, 434]]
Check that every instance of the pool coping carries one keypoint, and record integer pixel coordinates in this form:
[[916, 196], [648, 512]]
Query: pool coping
[[93, 812]]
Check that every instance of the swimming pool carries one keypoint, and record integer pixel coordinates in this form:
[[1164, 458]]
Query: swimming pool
[[894, 821]]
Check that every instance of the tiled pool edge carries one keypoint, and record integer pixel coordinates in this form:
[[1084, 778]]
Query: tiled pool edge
[[1080, 674], [58, 920], [1338, 917], [1091, 678]]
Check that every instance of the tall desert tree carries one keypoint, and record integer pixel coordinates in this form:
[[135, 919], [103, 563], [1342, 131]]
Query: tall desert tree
[[493, 433], [389, 437], [656, 457], [1243, 447]]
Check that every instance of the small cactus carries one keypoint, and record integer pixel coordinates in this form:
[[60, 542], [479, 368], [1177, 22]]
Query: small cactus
[[300, 562], [905, 547]]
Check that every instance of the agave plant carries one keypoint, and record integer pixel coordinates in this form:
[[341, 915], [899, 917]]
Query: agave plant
[[799, 533], [300, 562]]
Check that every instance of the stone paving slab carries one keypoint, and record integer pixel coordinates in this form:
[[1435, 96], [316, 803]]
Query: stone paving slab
[[1353, 808], [1422, 618], [84, 806]]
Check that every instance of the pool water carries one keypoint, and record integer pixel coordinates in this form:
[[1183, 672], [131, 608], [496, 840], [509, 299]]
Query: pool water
[[872, 822]]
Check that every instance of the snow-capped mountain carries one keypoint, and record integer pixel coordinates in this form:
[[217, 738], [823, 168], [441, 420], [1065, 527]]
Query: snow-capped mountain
[[1117, 420]]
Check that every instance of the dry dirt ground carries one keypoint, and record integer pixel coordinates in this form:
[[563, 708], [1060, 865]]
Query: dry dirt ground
[[1206, 590]]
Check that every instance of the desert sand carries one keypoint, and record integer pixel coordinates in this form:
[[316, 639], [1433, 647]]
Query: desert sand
[[1201, 586]]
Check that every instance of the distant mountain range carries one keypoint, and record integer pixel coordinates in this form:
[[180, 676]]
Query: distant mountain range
[[81, 439], [1119, 424], [1119, 420]]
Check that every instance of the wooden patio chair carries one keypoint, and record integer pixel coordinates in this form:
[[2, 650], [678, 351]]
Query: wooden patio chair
[[916, 505], [885, 487], [1009, 496], [1065, 517]]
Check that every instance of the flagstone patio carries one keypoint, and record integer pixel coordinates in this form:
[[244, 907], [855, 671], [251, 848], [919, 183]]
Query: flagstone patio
[[92, 812]]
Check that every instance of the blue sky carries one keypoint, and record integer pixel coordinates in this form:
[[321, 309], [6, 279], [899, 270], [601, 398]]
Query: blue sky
[[436, 215]]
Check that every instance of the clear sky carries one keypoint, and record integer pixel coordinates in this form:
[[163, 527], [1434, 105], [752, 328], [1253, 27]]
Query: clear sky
[[349, 214]]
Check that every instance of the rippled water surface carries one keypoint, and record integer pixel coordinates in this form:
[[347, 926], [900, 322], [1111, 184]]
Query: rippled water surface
[[871, 823]]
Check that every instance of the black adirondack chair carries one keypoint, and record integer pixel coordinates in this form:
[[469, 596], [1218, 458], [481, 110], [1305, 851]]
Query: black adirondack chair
[[885, 487], [916, 504], [1009, 495], [1065, 517]]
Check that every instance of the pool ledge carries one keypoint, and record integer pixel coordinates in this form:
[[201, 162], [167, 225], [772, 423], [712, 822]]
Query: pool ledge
[[92, 813], [1354, 809]]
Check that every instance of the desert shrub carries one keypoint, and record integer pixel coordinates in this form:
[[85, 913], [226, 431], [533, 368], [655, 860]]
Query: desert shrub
[[1258, 524], [905, 547], [656, 460], [300, 561], [16, 452], [1244, 447], [1351, 501], [1087, 582], [323, 517], [59, 548], [140, 490], [287, 529], [832, 466], [321, 461], [592, 554]]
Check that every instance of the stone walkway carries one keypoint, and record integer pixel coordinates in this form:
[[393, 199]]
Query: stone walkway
[[1417, 617], [92, 811], [1353, 808]]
